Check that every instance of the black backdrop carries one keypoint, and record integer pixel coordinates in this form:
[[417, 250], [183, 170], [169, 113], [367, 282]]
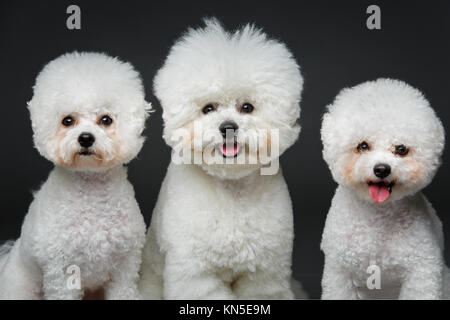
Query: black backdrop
[[329, 39]]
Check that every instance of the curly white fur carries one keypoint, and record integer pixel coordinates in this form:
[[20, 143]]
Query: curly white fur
[[400, 234], [224, 231], [85, 216]]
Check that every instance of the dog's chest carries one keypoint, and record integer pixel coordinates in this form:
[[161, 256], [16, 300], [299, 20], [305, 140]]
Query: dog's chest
[[233, 243], [89, 227], [240, 234], [362, 245], [372, 240]]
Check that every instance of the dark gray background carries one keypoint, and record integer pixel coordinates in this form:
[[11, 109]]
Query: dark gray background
[[328, 38]]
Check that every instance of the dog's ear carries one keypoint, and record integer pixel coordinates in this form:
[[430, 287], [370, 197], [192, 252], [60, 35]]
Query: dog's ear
[[141, 114]]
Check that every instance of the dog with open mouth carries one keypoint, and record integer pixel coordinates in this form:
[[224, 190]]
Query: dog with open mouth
[[83, 235], [221, 229], [382, 239]]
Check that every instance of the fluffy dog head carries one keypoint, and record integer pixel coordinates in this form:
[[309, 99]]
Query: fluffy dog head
[[226, 87], [382, 139], [88, 111]]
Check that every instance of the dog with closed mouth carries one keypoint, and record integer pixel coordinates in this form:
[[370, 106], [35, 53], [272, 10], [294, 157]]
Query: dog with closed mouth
[[220, 228], [383, 144], [83, 235]]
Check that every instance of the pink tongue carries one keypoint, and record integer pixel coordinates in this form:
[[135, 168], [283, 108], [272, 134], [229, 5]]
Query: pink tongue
[[229, 149], [379, 193]]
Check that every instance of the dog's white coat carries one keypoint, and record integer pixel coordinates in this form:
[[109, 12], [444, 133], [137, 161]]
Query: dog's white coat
[[224, 231], [403, 236], [87, 218]]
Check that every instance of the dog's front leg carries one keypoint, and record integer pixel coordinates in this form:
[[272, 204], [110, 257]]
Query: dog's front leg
[[123, 284], [151, 282], [423, 281], [337, 282], [263, 285], [190, 278], [58, 285], [20, 278]]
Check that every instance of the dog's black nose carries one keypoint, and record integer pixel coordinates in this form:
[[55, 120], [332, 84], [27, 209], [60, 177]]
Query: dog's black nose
[[228, 125], [86, 139], [382, 170]]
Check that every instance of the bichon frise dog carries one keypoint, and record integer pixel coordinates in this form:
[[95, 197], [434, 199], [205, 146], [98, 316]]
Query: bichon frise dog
[[221, 228], [382, 238], [84, 232]]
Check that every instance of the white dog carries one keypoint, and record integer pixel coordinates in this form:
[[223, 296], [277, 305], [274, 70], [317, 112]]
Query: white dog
[[382, 238], [222, 230], [84, 232]]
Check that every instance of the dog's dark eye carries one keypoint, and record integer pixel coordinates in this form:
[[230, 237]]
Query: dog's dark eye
[[401, 150], [106, 120], [68, 121], [208, 108], [363, 146], [246, 108]]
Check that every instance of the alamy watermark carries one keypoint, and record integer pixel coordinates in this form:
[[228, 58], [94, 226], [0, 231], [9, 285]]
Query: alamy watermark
[[374, 280], [212, 147], [73, 21], [374, 20], [74, 279]]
